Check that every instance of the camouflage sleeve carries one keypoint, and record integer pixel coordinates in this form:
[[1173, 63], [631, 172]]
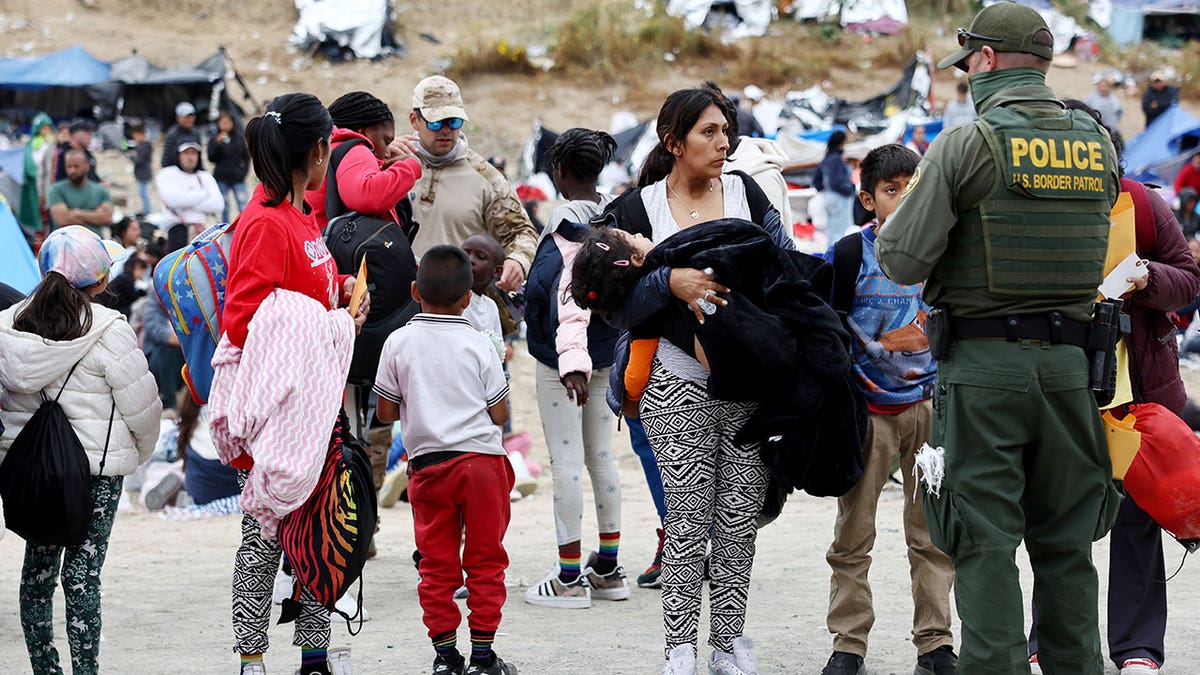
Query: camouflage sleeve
[[506, 220], [913, 239]]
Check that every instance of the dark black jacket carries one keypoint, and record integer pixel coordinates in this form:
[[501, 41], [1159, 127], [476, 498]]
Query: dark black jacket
[[1155, 103], [230, 158]]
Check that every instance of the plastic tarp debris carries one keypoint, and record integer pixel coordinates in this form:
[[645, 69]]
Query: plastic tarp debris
[[358, 25], [753, 17]]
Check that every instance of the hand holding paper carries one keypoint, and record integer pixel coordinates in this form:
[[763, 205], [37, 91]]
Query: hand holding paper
[[360, 289], [1125, 277]]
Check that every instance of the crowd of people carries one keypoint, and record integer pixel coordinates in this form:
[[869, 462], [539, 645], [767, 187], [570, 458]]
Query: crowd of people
[[943, 332]]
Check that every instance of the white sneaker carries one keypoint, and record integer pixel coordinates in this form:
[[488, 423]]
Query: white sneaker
[[550, 592], [348, 603], [724, 663], [254, 669], [339, 661], [681, 661], [1139, 667], [282, 589], [743, 655]]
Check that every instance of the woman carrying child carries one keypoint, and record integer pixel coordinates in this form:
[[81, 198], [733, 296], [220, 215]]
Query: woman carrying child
[[277, 245], [574, 350], [713, 486], [60, 344]]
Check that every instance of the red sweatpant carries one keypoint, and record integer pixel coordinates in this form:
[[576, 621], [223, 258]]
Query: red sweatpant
[[466, 493]]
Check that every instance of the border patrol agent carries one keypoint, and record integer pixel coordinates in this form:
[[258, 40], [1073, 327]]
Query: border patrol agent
[[1008, 220]]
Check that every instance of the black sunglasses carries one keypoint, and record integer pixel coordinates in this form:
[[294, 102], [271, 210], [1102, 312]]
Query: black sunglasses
[[964, 35]]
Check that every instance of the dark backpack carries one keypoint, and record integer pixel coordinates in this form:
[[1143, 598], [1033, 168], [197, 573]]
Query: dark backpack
[[45, 479], [327, 538], [391, 266]]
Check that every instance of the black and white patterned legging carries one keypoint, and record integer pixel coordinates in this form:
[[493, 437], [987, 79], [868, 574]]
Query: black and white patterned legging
[[712, 487], [253, 580]]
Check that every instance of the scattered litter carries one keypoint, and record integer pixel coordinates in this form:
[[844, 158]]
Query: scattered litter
[[430, 38]]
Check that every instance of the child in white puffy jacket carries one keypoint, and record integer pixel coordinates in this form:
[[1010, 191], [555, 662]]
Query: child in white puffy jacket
[[59, 340]]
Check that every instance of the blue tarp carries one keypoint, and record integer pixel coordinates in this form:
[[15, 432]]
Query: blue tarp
[[73, 67], [18, 268], [1155, 155]]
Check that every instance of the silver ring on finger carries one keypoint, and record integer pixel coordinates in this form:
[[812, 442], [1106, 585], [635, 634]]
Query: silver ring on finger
[[707, 307]]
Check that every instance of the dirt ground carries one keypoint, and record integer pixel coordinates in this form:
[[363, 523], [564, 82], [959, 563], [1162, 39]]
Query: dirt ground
[[166, 592]]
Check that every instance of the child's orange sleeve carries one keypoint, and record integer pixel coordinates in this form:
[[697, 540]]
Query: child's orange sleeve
[[637, 371]]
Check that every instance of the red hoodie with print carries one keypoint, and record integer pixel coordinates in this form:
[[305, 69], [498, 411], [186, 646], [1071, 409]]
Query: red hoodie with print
[[362, 184]]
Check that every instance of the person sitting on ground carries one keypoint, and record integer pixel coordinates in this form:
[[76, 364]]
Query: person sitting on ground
[[80, 200], [59, 343], [1189, 175], [574, 351], [189, 195], [185, 458], [896, 373], [444, 382]]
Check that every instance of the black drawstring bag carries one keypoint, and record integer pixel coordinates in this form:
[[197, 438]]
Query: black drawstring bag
[[45, 479]]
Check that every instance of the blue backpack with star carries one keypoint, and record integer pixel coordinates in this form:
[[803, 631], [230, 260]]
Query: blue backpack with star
[[190, 284]]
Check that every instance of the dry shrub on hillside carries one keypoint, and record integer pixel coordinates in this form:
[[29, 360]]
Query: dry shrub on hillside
[[498, 57], [246, 11], [618, 44]]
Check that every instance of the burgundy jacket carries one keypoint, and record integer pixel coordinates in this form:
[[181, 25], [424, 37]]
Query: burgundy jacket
[[1174, 282]]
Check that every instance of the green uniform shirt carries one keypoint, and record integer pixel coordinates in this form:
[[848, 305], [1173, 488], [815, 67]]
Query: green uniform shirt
[[89, 197], [955, 176]]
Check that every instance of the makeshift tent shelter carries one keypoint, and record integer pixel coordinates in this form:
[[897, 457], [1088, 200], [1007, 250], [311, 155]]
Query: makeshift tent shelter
[[1157, 154], [142, 89], [18, 267], [744, 18], [1129, 21], [884, 17], [1064, 28], [344, 29], [55, 83]]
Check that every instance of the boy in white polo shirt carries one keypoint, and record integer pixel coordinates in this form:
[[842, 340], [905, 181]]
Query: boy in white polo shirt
[[443, 380]]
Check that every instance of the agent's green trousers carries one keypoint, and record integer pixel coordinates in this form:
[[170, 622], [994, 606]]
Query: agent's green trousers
[[1025, 458]]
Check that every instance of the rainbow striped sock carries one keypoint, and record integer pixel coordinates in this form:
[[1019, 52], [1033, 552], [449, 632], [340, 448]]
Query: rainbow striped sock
[[481, 646], [314, 660], [606, 557], [446, 644], [250, 659], [568, 567]]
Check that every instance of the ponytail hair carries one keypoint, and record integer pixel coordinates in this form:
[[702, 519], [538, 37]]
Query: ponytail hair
[[678, 115], [281, 139], [57, 311]]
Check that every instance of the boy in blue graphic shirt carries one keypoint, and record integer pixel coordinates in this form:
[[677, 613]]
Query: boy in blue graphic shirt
[[896, 372]]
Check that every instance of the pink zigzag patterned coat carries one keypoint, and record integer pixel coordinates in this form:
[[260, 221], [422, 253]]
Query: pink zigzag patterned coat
[[278, 399]]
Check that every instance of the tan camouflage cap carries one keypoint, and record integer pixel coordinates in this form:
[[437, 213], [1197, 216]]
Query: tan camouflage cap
[[438, 98]]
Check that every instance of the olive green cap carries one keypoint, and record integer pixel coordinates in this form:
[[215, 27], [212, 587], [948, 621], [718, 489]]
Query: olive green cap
[[1005, 27]]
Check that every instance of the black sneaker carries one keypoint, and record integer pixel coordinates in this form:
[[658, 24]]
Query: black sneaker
[[941, 661], [497, 667], [449, 665], [844, 663]]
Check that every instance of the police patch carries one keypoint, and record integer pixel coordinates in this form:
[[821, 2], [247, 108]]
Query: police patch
[[912, 182]]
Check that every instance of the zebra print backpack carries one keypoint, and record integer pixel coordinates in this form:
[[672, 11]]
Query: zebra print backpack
[[326, 539]]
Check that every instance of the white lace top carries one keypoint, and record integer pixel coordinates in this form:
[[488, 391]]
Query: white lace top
[[663, 225]]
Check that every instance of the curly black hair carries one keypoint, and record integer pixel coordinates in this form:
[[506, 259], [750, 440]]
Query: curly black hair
[[603, 274], [359, 110], [583, 152]]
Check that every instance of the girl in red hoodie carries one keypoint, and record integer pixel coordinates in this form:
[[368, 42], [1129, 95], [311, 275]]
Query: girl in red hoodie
[[277, 244]]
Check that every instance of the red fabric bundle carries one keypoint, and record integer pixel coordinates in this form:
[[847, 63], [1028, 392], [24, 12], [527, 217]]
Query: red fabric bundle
[[1164, 477]]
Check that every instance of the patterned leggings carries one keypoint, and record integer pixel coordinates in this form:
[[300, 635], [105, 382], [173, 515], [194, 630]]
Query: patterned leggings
[[712, 487], [81, 587], [253, 580]]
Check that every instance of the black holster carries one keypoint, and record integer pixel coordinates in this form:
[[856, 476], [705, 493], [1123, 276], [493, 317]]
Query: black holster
[[1108, 325], [937, 329]]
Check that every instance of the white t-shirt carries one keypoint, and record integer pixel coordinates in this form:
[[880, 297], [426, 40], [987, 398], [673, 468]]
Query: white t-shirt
[[484, 316], [444, 375], [662, 222]]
